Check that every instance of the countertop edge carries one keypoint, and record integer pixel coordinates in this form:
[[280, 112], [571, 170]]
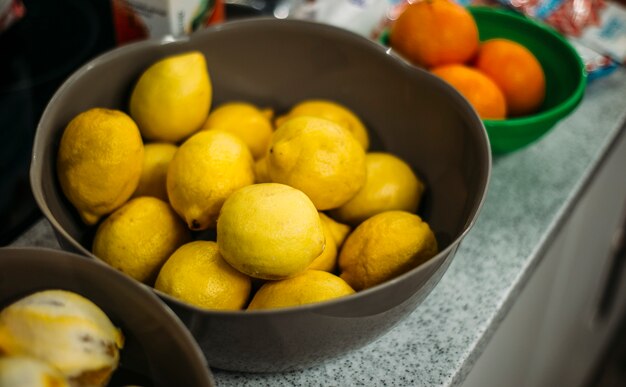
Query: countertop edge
[[539, 252]]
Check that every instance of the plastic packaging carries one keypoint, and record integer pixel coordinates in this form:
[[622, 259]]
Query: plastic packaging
[[143, 19], [359, 16], [608, 36]]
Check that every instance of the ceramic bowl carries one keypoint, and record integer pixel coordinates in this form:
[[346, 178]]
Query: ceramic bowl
[[158, 349], [278, 63]]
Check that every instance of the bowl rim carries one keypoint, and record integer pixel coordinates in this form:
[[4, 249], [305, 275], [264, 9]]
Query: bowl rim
[[235, 24], [566, 106]]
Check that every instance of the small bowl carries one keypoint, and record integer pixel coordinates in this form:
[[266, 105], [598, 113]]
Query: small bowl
[[564, 71], [563, 68], [158, 349], [278, 63]]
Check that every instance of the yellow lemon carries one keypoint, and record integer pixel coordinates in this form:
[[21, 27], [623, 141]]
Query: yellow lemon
[[390, 184], [196, 273], [205, 170], [156, 160], [338, 231], [331, 111], [327, 261], [172, 98], [29, 371], [385, 246], [318, 157], [269, 114], [65, 330], [269, 231], [245, 121], [261, 174], [138, 238], [309, 287], [99, 162]]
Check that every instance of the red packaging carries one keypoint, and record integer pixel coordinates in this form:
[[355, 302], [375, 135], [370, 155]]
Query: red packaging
[[143, 19]]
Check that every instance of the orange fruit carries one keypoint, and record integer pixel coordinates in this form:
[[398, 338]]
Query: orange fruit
[[435, 32], [481, 92], [516, 71]]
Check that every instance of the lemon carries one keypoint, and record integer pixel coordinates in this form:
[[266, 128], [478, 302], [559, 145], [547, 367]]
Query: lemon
[[99, 162], [207, 168], [138, 238], [269, 114], [390, 184], [30, 372], [385, 246], [309, 287], [172, 98], [331, 111], [269, 231], [327, 261], [318, 157], [65, 330], [338, 231], [197, 274], [261, 174], [156, 160], [245, 121]]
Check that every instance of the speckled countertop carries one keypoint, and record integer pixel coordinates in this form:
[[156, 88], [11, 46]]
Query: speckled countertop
[[529, 196]]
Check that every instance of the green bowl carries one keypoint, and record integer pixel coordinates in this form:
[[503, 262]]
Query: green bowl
[[562, 65], [564, 70]]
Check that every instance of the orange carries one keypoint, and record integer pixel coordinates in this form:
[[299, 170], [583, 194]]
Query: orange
[[435, 32], [481, 92], [516, 71]]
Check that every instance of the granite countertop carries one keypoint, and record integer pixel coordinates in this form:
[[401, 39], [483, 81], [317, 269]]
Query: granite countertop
[[530, 194]]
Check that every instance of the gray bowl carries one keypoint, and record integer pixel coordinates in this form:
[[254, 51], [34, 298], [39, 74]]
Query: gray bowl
[[154, 335], [278, 63]]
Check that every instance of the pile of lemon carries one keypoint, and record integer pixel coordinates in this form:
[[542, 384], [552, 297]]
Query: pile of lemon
[[297, 210]]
